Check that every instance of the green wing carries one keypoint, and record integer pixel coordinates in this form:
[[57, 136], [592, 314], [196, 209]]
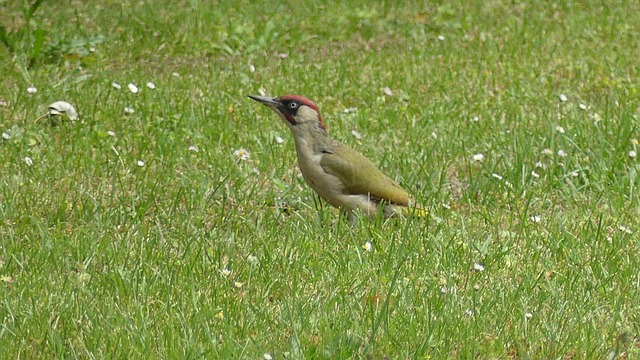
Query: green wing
[[361, 177]]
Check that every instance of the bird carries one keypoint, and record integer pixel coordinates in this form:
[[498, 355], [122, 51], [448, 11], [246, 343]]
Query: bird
[[338, 174]]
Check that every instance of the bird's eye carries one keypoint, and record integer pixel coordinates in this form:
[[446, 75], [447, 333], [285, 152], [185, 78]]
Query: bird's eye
[[293, 105]]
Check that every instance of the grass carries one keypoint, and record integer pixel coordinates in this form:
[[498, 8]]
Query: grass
[[530, 253]]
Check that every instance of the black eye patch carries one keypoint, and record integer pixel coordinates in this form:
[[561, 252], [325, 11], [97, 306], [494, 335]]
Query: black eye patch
[[291, 107]]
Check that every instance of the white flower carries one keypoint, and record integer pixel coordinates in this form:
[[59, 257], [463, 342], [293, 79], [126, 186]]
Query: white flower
[[536, 218], [116, 85], [279, 139], [350, 110], [560, 129], [478, 267], [563, 97], [528, 315], [496, 176], [434, 135], [151, 85], [633, 154], [32, 90], [194, 148], [479, 157], [539, 164], [252, 68], [238, 284], [133, 88], [63, 107], [140, 163], [28, 161], [129, 110], [575, 174], [356, 134], [387, 91], [476, 118], [225, 272], [252, 259], [547, 152], [262, 92], [596, 117], [111, 133], [367, 246], [440, 37], [625, 229], [562, 153], [267, 356], [242, 153], [582, 106], [6, 136]]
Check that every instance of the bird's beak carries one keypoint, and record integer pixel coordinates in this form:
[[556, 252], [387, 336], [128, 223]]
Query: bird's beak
[[266, 100]]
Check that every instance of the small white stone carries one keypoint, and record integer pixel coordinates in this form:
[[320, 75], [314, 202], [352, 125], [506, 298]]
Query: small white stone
[[134, 89], [279, 139], [356, 134], [6, 136], [116, 86], [582, 106], [562, 153], [440, 37], [252, 68], [28, 161], [151, 85], [194, 148], [633, 154], [496, 176], [129, 110], [478, 267], [111, 133], [140, 163], [387, 91], [563, 97], [560, 129], [536, 218], [32, 90]]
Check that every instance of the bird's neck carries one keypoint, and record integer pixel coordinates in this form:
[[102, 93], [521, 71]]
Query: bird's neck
[[312, 139]]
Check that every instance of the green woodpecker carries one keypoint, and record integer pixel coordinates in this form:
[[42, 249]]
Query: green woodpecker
[[340, 175]]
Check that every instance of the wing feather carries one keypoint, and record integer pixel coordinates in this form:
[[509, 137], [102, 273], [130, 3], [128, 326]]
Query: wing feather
[[361, 177]]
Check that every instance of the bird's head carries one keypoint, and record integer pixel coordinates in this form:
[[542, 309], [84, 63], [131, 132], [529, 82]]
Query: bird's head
[[297, 111]]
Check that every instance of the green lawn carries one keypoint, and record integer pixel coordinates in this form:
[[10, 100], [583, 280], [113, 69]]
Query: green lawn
[[174, 223]]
